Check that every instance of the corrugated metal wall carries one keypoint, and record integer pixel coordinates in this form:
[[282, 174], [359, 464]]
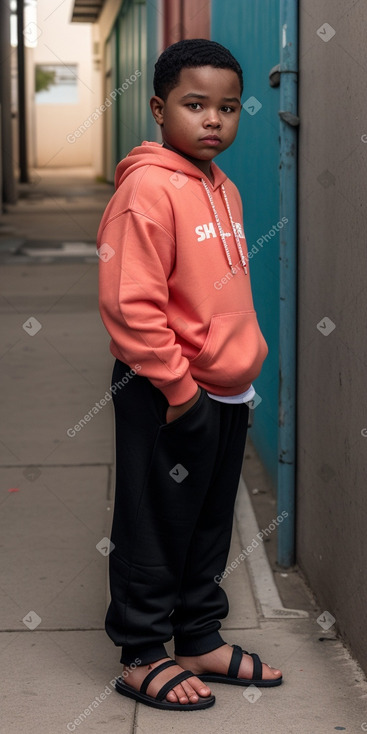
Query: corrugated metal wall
[[132, 46], [132, 104]]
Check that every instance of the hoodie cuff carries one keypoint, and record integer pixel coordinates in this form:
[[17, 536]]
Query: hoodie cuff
[[181, 391]]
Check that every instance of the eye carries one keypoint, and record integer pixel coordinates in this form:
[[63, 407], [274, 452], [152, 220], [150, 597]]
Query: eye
[[225, 107], [192, 103]]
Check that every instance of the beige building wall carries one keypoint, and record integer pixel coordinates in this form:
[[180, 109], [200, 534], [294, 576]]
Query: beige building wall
[[54, 129], [332, 312]]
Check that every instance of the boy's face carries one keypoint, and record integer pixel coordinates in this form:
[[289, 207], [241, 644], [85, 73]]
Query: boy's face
[[206, 101]]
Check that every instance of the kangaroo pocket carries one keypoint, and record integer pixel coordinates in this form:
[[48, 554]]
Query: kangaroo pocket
[[233, 352]]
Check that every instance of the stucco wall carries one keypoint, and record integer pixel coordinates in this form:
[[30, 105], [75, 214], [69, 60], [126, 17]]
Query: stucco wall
[[332, 357], [61, 42]]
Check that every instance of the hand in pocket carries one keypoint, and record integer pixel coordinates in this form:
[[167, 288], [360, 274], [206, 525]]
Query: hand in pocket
[[175, 411]]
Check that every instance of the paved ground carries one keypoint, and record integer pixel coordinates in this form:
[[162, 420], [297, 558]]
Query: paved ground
[[56, 504]]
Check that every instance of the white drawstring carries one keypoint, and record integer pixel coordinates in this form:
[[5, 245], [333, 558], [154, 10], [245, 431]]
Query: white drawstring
[[222, 235]]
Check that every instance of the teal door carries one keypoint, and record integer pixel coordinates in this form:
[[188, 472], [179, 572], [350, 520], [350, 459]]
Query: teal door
[[250, 30]]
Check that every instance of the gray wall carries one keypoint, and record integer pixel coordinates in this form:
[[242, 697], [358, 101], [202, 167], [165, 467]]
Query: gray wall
[[332, 278]]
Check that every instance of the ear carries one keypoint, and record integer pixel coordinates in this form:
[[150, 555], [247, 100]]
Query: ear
[[157, 107]]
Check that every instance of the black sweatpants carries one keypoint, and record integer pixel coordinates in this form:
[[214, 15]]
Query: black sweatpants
[[176, 485]]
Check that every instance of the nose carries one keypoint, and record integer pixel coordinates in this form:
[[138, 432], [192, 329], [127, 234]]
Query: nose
[[213, 119]]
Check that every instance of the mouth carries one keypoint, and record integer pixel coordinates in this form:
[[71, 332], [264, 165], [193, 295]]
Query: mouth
[[211, 139]]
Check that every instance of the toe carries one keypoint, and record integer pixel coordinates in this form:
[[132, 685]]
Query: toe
[[171, 697], [190, 692], [193, 697], [204, 691], [181, 694], [200, 688], [269, 672]]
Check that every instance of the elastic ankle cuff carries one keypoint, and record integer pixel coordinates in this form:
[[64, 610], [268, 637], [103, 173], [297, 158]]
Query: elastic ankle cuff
[[142, 655], [186, 646]]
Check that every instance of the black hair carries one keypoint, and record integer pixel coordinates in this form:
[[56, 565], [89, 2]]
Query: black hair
[[190, 53]]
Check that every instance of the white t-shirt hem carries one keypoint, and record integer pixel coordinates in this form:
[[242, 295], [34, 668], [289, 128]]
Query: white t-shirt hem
[[242, 397]]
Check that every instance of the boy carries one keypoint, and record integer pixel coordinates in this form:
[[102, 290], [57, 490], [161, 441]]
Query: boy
[[186, 353]]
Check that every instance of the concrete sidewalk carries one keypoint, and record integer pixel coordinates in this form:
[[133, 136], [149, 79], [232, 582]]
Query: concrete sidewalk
[[56, 507]]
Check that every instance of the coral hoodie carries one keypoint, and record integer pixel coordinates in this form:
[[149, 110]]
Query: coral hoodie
[[168, 295]]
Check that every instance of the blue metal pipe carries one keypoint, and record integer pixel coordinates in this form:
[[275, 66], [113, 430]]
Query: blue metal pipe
[[288, 279]]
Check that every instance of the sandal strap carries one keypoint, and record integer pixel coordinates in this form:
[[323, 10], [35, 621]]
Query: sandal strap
[[257, 673], [172, 683], [235, 663], [153, 673]]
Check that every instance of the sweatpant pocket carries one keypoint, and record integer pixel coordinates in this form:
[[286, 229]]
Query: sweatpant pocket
[[177, 481]]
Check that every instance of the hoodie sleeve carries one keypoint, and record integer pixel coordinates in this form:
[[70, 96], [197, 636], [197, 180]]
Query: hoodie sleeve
[[133, 295]]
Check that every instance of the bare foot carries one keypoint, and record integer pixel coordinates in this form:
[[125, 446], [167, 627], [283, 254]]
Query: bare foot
[[186, 692], [217, 661]]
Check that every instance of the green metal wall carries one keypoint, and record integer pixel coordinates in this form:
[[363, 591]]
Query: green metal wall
[[133, 42]]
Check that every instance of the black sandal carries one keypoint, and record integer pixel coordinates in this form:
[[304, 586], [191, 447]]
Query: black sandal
[[231, 676], [158, 702]]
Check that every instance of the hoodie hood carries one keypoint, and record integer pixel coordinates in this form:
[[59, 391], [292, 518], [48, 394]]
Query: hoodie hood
[[153, 154]]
